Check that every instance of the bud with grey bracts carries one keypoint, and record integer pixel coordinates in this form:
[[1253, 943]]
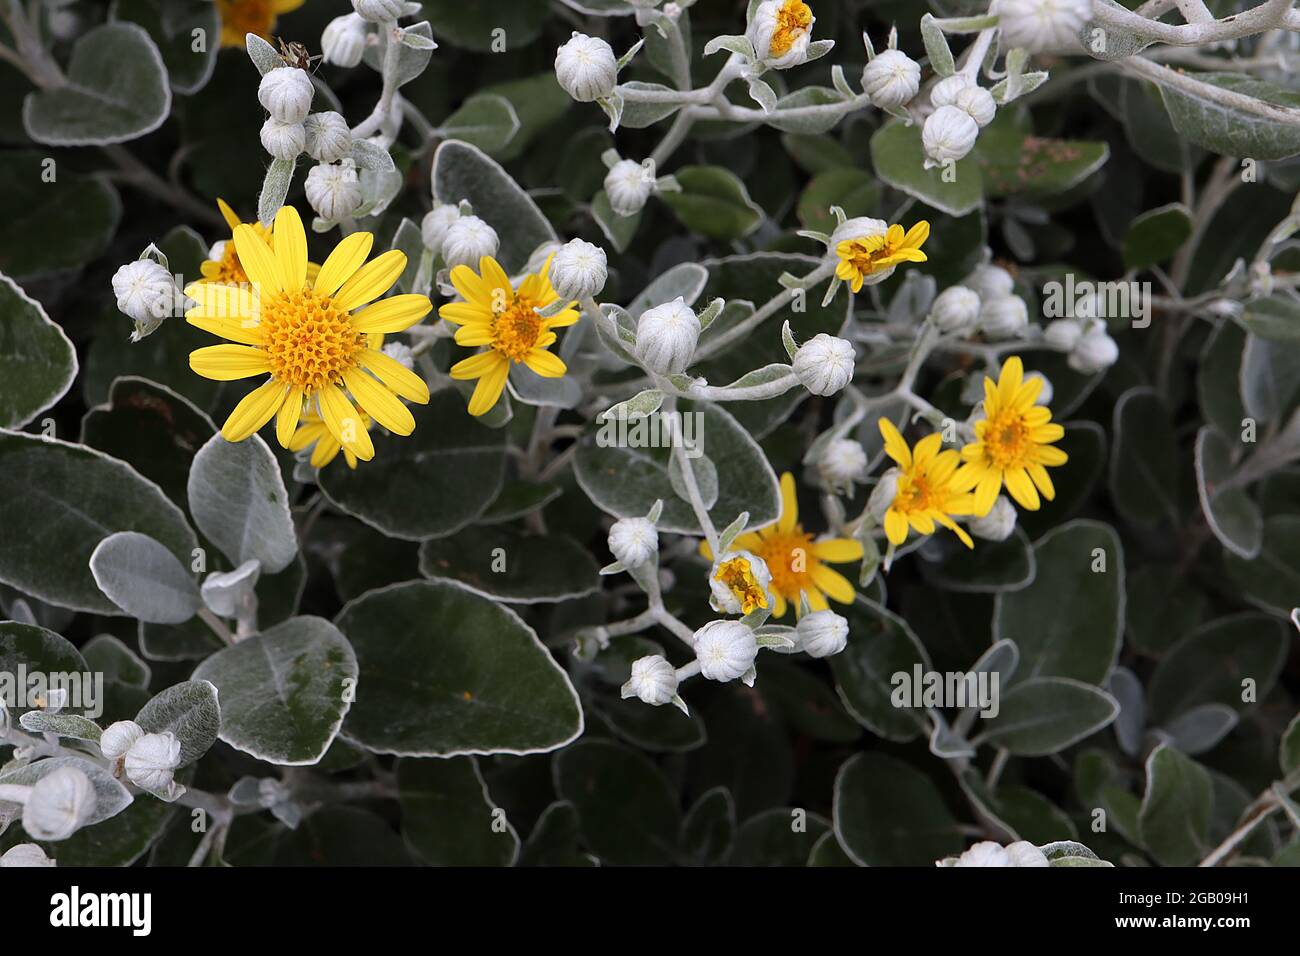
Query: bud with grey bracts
[[118, 737], [944, 92], [1004, 317], [333, 191], [146, 294], [998, 524], [1063, 334], [726, 650], [949, 135], [824, 364], [468, 240], [822, 633], [653, 681], [628, 184], [633, 541], [58, 804], [892, 79], [1095, 351], [579, 270], [283, 140], [286, 93], [586, 68], [379, 11], [978, 104], [1040, 26], [666, 337], [956, 309], [842, 462], [328, 136], [990, 282], [343, 41], [151, 763], [435, 225]]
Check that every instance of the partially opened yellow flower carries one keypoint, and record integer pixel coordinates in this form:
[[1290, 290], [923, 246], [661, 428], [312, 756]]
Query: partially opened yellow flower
[[926, 492], [313, 339], [860, 258], [798, 564], [496, 315], [226, 267], [241, 17], [1013, 442]]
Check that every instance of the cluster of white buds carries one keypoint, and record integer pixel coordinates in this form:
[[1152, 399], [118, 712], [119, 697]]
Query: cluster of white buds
[[333, 190], [286, 94], [58, 804], [379, 11], [822, 633], [841, 463], [25, 855], [990, 281], [956, 309], [579, 270], [283, 140], [146, 294], [1041, 25], [1089, 347], [586, 68], [949, 135], [824, 364], [467, 240], [666, 336], [1004, 317], [998, 524], [434, 226], [891, 79], [780, 31], [988, 853], [149, 760], [726, 650], [328, 137], [653, 681], [633, 541], [343, 42], [628, 184]]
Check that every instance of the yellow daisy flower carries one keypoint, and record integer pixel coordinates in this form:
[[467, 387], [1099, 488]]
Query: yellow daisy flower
[[926, 492], [314, 431], [798, 564], [793, 20], [860, 258], [1013, 443], [496, 315], [241, 17], [226, 269], [313, 338]]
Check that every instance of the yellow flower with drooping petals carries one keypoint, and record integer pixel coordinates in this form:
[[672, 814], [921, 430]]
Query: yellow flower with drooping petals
[[313, 431], [863, 257], [504, 319], [241, 17], [797, 563], [927, 493], [313, 338], [1013, 442]]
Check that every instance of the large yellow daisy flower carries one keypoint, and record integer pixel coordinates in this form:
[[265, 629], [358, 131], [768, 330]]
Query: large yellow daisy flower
[[798, 564], [241, 17], [226, 268], [496, 315], [312, 338], [1013, 443], [926, 492], [860, 258]]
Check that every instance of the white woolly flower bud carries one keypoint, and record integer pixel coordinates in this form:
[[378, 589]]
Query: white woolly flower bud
[[328, 136], [842, 462], [117, 738], [883, 495], [824, 364], [666, 337], [586, 68], [283, 140], [653, 681], [579, 270], [1024, 853], [146, 293], [334, 191], [25, 855], [1094, 352], [633, 541], [990, 281], [892, 79], [1004, 317], [468, 240], [998, 524], [956, 309], [1045, 391], [344, 41], [949, 134], [984, 853], [1041, 25], [152, 761], [379, 11], [400, 353], [822, 633], [859, 227], [780, 32], [978, 103], [434, 226], [628, 185], [739, 578], [944, 93], [1063, 334], [60, 802], [286, 93], [725, 649]]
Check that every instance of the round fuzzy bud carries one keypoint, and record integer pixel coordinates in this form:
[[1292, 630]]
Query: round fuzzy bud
[[1094, 352], [628, 185], [949, 134], [25, 855], [990, 281], [985, 853], [468, 240], [824, 364], [956, 309], [653, 681], [822, 633], [633, 541], [780, 32], [883, 495], [725, 649], [283, 140], [1024, 853], [892, 79], [739, 582], [1041, 25], [978, 102], [60, 802], [586, 68], [333, 191], [1063, 334], [842, 462], [666, 336], [146, 293], [118, 738], [344, 41], [286, 93], [152, 761], [1004, 317], [944, 93], [328, 136], [1045, 392], [998, 524], [434, 226], [379, 11], [579, 270]]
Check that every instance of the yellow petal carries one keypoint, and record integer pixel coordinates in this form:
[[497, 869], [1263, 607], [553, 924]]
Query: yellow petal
[[307, 434], [779, 606], [895, 446], [956, 529], [395, 314], [789, 504], [545, 364], [227, 214], [259, 262], [835, 585], [477, 366], [489, 388], [345, 422], [1013, 373], [396, 376], [1047, 455], [472, 288], [371, 281], [1047, 433], [462, 313], [326, 450], [986, 492], [379, 403], [472, 336], [917, 235], [494, 275], [343, 262], [290, 247], [561, 319], [837, 550], [236, 331], [925, 450], [226, 363], [895, 526], [1038, 475], [286, 422], [1022, 489], [254, 410]]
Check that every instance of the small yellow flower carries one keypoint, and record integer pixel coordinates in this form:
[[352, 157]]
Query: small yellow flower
[[314, 431], [927, 493], [1013, 443], [860, 258], [241, 17], [314, 338], [793, 20], [738, 577], [798, 564], [227, 269], [496, 315]]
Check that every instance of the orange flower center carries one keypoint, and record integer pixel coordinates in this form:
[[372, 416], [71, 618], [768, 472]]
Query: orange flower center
[[790, 559], [1006, 439], [792, 21], [309, 340], [516, 329], [865, 254], [914, 494]]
